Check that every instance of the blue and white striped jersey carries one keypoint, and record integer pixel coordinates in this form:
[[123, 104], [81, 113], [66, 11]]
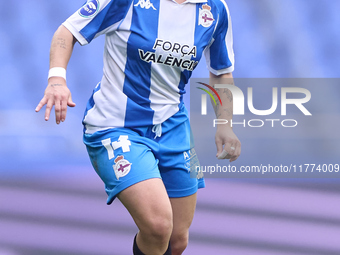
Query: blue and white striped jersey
[[151, 49]]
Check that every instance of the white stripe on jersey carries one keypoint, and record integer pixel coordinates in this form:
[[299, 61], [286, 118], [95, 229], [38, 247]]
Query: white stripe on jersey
[[229, 39], [164, 82]]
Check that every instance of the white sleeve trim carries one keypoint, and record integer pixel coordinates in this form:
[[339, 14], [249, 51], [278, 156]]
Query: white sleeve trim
[[80, 38], [222, 71]]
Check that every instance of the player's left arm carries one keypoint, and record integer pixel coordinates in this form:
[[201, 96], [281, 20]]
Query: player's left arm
[[225, 138]]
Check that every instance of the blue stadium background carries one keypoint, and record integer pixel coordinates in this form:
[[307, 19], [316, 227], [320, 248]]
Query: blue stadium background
[[51, 201]]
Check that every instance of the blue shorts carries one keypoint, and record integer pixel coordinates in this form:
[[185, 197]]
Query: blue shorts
[[125, 156]]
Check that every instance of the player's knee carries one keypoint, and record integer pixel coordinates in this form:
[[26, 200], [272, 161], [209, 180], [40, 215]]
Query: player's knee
[[159, 228], [179, 242]]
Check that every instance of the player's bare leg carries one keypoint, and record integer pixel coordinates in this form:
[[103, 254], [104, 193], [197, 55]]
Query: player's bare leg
[[183, 213], [149, 205]]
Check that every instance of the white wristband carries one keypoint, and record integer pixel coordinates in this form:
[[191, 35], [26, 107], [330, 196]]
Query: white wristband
[[57, 72]]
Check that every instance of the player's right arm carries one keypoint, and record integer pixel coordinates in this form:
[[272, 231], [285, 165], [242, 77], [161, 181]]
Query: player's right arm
[[57, 92]]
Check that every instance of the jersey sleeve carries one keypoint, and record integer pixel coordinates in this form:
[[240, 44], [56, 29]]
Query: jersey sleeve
[[220, 54], [96, 17]]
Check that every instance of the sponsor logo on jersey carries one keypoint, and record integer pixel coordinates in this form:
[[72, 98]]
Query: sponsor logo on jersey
[[90, 9], [145, 4], [122, 167], [206, 18], [171, 54]]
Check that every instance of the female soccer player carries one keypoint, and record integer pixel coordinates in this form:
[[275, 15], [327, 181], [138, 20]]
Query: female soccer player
[[136, 127]]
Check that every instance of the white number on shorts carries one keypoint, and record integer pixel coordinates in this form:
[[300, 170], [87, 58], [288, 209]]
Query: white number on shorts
[[123, 142], [107, 145]]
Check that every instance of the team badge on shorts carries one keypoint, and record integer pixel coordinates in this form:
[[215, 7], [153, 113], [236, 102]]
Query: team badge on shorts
[[206, 18], [122, 167], [89, 9]]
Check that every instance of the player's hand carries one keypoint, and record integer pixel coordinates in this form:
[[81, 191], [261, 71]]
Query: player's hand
[[57, 94], [227, 144]]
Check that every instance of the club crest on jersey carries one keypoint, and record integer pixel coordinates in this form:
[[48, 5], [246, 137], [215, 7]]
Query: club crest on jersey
[[206, 18], [89, 9], [145, 4], [122, 167]]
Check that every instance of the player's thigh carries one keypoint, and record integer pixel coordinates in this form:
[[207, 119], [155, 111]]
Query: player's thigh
[[149, 205], [183, 210]]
